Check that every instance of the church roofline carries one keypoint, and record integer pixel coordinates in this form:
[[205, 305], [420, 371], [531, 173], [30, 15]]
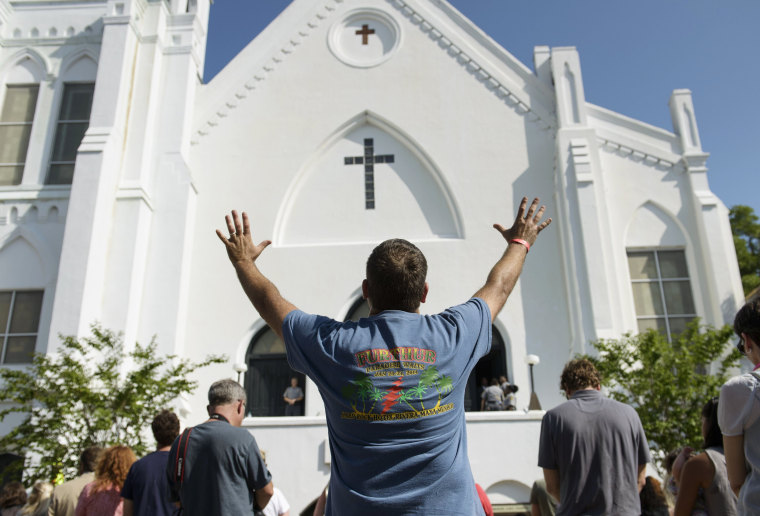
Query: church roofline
[[507, 77], [629, 136]]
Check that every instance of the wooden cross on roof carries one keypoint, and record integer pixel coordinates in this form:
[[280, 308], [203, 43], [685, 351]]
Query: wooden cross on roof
[[364, 33]]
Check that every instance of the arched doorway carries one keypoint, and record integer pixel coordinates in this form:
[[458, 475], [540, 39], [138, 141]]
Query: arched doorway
[[493, 365], [268, 374]]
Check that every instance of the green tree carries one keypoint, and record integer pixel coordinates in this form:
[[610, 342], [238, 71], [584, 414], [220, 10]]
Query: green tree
[[667, 383], [88, 393], [746, 230]]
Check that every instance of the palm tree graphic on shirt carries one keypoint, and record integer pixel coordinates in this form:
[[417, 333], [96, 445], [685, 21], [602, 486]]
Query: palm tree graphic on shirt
[[361, 390]]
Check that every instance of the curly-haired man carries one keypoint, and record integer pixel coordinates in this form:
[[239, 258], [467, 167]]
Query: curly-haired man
[[593, 449]]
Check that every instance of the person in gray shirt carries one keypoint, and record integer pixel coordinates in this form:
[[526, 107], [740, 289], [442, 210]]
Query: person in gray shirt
[[592, 449], [293, 396], [215, 468]]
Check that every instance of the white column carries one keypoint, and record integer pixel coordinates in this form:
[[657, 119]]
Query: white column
[[586, 233], [715, 241]]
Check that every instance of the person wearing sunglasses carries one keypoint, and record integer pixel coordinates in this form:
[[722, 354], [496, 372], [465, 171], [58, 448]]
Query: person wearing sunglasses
[[739, 414]]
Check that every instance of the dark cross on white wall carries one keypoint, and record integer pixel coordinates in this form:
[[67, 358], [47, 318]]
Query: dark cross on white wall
[[368, 160], [364, 33]]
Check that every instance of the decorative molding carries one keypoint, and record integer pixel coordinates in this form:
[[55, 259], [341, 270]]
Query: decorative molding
[[5, 12], [134, 193], [24, 211], [581, 160], [270, 64], [635, 154], [54, 36], [95, 139]]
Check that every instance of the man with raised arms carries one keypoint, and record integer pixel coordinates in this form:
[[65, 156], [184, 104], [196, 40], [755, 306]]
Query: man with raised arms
[[397, 432]]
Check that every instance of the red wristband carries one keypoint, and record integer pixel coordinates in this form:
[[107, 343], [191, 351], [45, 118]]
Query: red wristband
[[521, 242]]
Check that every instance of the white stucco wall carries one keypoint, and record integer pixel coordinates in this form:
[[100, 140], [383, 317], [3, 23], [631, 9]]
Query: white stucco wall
[[131, 243]]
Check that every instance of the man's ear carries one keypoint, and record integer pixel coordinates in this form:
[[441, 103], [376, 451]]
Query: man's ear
[[208, 409], [365, 289], [424, 293]]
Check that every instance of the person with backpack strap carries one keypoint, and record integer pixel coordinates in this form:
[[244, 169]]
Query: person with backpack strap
[[215, 468]]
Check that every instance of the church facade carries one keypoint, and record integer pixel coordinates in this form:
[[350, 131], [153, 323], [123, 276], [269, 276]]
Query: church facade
[[344, 123]]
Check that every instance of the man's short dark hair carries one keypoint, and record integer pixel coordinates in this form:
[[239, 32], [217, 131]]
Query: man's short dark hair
[[747, 320], [224, 392], [579, 374], [165, 428], [89, 459], [396, 272]]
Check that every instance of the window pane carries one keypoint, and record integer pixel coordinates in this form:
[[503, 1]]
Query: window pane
[[642, 265], [26, 312], [77, 102], [60, 175], [678, 324], [19, 103], [68, 136], [20, 350], [5, 306], [10, 175], [673, 264], [678, 298], [647, 299], [652, 324], [14, 140], [268, 343]]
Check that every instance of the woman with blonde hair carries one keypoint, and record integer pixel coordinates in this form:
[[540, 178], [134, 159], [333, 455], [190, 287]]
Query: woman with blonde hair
[[38, 502], [102, 497]]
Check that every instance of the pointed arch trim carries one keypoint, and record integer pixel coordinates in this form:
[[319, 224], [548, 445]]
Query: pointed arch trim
[[367, 117], [40, 247], [26, 53], [71, 59], [654, 208]]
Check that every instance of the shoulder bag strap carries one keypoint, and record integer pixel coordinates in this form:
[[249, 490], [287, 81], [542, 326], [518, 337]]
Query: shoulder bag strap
[[179, 465]]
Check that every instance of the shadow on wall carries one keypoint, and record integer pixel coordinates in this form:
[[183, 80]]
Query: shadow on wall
[[508, 492]]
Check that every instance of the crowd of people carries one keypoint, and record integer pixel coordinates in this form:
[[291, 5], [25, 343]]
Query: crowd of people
[[390, 457], [497, 394]]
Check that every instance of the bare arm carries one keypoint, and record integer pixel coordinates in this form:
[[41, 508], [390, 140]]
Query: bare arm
[[551, 477], [697, 472], [319, 508], [733, 446], [642, 478], [128, 509], [503, 276], [263, 495], [243, 253]]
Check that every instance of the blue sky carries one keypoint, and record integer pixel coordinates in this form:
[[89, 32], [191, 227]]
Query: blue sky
[[633, 55]]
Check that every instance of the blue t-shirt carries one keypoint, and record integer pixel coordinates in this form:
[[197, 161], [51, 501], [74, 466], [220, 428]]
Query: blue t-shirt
[[393, 385], [147, 486]]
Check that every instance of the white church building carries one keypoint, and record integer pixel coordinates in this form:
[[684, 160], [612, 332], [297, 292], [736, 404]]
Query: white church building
[[345, 122]]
